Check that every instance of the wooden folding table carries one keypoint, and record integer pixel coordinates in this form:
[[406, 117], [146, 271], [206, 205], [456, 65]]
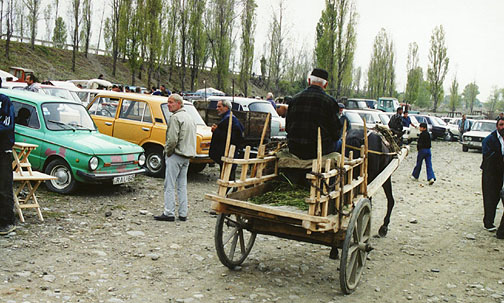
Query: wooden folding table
[[22, 172]]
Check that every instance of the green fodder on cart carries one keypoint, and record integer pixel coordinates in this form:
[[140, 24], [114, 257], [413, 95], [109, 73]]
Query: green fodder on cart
[[284, 194]]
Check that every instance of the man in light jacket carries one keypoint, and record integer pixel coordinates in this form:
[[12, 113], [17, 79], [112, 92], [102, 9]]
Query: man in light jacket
[[464, 126], [179, 148]]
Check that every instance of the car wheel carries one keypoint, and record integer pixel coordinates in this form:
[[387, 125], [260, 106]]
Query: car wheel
[[65, 182], [465, 148], [195, 168], [155, 162]]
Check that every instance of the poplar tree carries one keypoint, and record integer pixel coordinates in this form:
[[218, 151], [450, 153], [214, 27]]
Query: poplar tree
[[220, 24], [276, 48], [153, 35], [86, 25], [336, 42], [33, 17], [248, 22], [381, 72], [438, 67], [414, 73], [454, 95], [471, 90], [75, 9], [60, 33], [135, 32], [197, 38]]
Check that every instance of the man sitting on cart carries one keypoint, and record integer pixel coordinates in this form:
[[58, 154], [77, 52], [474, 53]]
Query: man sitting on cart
[[310, 109]]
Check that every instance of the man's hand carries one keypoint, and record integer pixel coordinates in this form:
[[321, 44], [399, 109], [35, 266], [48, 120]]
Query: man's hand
[[214, 126]]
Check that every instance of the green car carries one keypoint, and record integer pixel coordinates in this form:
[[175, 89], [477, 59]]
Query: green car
[[69, 145]]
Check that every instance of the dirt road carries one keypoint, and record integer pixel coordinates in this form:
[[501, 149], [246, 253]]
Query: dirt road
[[102, 245]]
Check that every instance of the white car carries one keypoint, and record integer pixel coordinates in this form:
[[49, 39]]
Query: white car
[[254, 105], [372, 117], [479, 131]]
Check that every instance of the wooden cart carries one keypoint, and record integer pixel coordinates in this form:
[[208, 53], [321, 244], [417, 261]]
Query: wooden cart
[[348, 228]]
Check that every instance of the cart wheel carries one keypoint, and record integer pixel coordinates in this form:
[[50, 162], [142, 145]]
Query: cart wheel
[[230, 232], [356, 246]]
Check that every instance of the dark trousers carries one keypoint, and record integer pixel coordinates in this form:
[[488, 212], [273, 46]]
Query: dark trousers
[[424, 154], [6, 197], [492, 185]]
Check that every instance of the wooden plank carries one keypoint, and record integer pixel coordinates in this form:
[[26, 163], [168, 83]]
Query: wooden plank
[[35, 177], [386, 173], [244, 169], [249, 161], [247, 182], [352, 185], [251, 192], [268, 209]]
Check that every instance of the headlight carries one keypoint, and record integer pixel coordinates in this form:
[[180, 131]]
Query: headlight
[[467, 138], [93, 163], [141, 159]]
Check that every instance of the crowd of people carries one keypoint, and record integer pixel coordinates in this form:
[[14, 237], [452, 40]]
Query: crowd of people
[[307, 112]]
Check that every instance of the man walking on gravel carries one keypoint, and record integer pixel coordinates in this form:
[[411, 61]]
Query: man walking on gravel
[[6, 142], [492, 177], [179, 148]]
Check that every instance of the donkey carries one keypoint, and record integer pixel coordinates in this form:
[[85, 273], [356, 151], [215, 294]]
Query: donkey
[[376, 164]]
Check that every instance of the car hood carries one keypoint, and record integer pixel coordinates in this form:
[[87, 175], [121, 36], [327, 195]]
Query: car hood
[[477, 133], [93, 143], [204, 131]]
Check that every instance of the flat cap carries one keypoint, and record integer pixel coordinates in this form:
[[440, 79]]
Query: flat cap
[[321, 73]]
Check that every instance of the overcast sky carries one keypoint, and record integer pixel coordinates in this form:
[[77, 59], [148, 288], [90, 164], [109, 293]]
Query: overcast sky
[[474, 32]]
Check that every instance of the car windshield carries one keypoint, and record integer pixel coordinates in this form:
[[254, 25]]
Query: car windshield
[[369, 117], [66, 116], [483, 126], [413, 120], [439, 121], [262, 107], [353, 117], [384, 119], [190, 109], [62, 93]]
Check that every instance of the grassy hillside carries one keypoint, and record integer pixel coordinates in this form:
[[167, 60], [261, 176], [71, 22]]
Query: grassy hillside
[[56, 64]]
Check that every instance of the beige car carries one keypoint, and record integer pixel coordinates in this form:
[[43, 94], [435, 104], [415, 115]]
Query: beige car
[[142, 119]]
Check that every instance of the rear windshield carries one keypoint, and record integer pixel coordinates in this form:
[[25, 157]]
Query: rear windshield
[[191, 110]]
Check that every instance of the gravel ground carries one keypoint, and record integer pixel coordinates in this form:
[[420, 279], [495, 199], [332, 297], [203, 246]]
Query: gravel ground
[[102, 245]]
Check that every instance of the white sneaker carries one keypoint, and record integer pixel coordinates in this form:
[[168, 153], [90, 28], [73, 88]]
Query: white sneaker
[[431, 181], [413, 178]]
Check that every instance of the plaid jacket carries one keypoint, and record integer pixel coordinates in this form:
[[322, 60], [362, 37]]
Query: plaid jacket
[[308, 110]]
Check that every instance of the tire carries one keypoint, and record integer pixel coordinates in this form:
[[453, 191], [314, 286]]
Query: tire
[[65, 183], [195, 168], [229, 231], [356, 246], [465, 148], [154, 161]]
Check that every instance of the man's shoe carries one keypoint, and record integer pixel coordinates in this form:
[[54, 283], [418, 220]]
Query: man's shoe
[[5, 230], [491, 228], [431, 181], [500, 234], [182, 218], [164, 217], [413, 178]]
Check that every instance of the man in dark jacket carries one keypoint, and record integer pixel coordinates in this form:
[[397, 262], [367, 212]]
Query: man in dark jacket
[[396, 125], [492, 177], [6, 142], [310, 109], [219, 135], [424, 153]]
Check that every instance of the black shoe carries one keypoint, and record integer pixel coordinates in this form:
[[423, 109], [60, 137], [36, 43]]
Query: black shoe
[[490, 228], [5, 230], [164, 217], [500, 234], [182, 218]]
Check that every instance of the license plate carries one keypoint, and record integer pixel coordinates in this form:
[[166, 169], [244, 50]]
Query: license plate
[[123, 179]]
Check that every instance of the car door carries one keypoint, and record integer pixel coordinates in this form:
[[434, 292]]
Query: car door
[[134, 123], [103, 110], [28, 130]]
